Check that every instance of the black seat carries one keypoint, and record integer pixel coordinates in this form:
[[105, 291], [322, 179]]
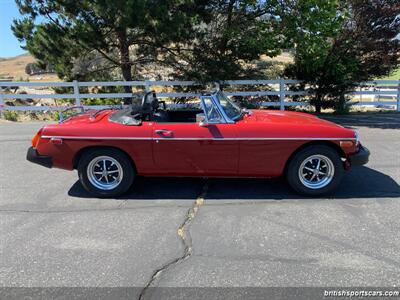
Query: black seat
[[161, 116]]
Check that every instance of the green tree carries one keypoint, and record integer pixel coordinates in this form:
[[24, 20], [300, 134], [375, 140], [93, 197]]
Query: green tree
[[104, 35], [228, 37], [34, 68], [339, 43], [196, 39]]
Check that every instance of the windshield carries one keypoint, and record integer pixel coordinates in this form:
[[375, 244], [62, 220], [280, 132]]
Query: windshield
[[232, 110]]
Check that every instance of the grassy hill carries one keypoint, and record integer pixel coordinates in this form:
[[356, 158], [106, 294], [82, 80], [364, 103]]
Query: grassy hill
[[14, 67]]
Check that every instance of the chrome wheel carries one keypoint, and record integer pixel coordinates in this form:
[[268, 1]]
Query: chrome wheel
[[316, 171], [104, 172]]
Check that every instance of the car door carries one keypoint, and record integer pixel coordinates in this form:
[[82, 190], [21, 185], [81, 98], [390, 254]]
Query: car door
[[203, 148]]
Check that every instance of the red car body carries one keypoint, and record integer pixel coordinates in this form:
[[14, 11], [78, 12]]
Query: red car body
[[258, 145]]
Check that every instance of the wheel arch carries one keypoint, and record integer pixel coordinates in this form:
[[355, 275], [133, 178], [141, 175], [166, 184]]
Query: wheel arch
[[330, 144], [82, 151]]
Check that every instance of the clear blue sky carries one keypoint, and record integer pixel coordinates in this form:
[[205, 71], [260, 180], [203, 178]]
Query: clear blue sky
[[9, 45]]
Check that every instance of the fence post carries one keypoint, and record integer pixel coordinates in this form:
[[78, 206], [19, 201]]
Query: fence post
[[282, 94], [147, 86], [398, 96], [1, 103], [76, 93]]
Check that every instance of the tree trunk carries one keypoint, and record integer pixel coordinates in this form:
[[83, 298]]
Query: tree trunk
[[318, 103], [127, 74], [125, 63], [342, 103]]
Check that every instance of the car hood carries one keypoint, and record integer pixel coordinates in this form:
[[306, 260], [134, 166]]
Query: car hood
[[287, 117], [292, 125]]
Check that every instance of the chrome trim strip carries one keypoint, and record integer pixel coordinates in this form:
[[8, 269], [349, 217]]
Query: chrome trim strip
[[195, 139], [95, 138]]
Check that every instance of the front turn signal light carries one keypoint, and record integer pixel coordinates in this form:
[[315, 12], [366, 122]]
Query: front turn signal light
[[36, 138], [346, 144]]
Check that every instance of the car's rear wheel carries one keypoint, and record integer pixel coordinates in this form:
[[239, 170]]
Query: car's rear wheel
[[315, 170], [105, 172]]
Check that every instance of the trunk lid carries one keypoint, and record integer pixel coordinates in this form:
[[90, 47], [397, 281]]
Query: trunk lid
[[91, 116]]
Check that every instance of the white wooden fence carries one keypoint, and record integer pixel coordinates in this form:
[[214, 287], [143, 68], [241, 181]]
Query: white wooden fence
[[383, 92]]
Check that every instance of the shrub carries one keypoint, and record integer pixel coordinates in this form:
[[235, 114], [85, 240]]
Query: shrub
[[10, 115]]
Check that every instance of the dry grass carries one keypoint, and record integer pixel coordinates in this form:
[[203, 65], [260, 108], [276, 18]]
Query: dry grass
[[14, 68], [284, 57]]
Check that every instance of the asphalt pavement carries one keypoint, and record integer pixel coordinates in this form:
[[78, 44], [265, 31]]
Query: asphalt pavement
[[185, 232]]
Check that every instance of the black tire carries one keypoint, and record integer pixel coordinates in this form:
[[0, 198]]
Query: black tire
[[128, 173], [294, 179]]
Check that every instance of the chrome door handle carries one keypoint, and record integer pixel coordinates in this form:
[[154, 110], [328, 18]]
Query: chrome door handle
[[164, 132], [161, 131]]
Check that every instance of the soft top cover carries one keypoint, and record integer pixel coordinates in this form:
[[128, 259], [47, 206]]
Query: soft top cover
[[126, 117]]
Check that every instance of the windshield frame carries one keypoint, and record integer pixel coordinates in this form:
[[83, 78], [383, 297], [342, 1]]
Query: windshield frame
[[217, 104], [230, 119]]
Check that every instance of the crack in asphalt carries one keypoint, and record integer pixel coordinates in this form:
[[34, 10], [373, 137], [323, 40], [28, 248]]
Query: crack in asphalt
[[184, 235]]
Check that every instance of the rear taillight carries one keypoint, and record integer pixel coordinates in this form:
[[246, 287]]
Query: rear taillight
[[36, 138]]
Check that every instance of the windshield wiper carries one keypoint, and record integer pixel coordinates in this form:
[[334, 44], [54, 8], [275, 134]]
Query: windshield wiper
[[243, 111], [246, 111]]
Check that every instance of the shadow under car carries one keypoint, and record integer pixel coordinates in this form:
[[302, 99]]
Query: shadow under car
[[360, 182]]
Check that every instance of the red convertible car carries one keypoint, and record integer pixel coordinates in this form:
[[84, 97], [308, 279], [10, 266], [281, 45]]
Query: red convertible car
[[110, 148]]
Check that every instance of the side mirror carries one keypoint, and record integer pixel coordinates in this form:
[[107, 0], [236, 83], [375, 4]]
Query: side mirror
[[203, 124], [201, 119]]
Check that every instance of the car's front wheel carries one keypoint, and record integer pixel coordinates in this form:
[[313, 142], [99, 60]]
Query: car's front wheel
[[315, 170], [105, 172]]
